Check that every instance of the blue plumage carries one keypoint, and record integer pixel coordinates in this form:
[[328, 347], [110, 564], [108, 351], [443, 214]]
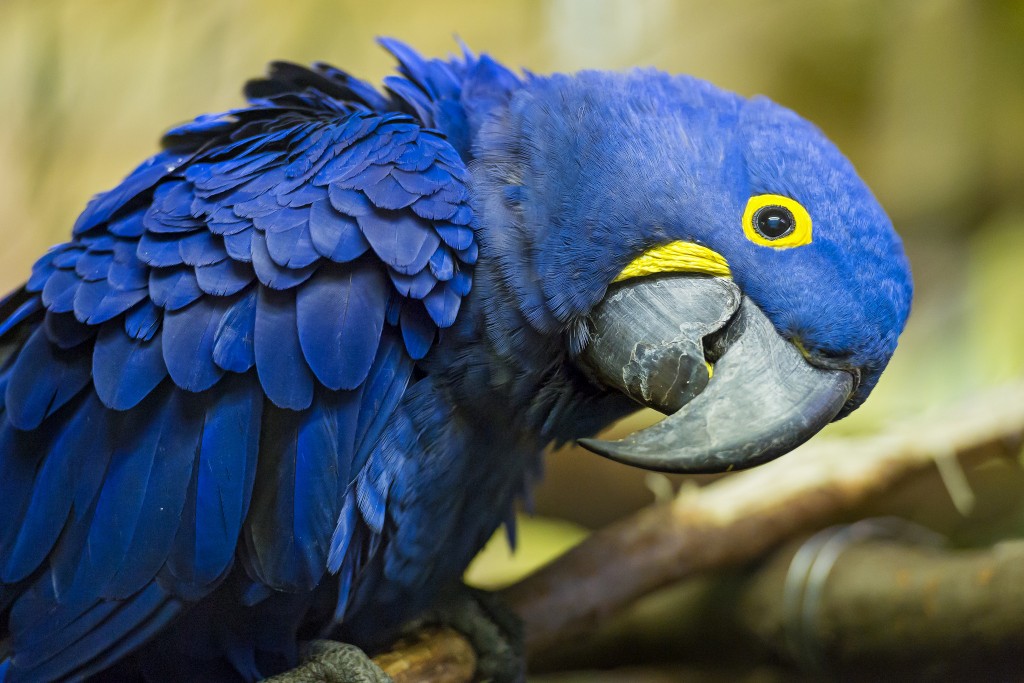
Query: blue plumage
[[316, 345]]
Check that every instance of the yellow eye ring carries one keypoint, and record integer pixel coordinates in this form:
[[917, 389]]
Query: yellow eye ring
[[771, 220]]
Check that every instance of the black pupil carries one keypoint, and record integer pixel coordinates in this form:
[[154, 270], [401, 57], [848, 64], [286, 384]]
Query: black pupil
[[774, 222]]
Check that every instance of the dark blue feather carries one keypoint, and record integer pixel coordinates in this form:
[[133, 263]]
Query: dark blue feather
[[97, 302], [387, 193], [282, 369], [20, 453], [461, 283], [189, 335], [335, 235], [418, 330], [401, 240], [443, 305], [160, 250], [44, 518], [125, 370], [173, 288], [292, 248], [233, 348], [239, 245], [64, 330], [59, 291], [349, 202], [340, 315], [226, 469], [129, 225], [92, 266], [43, 378], [127, 272], [271, 274], [413, 286], [442, 265], [201, 248], [143, 321], [225, 278], [20, 314]]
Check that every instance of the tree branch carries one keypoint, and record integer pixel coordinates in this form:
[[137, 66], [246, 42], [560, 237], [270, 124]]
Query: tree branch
[[739, 517]]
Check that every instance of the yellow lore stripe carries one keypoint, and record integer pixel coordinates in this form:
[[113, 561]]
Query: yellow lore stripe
[[676, 257]]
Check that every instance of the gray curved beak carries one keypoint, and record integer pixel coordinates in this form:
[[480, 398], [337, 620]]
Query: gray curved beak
[[652, 339]]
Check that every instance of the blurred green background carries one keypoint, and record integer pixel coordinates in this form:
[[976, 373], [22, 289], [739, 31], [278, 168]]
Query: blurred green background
[[925, 96]]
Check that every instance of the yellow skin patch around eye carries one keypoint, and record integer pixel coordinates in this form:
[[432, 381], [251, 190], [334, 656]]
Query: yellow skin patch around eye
[[801, 234], [676, 257]]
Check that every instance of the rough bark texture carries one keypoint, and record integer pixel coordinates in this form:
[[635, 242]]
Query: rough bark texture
[[436, 654], [740, 517], [886, 601]]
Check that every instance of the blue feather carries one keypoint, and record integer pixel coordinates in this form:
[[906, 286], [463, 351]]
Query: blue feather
[[20, 453], [173, 288], [160, 250], [59, 291], [292, 248], [129, 225], [143, 321], [340, 315], [64, 330], [335, 235], [442, 265], [125, 370], [225, 278], [413, 286], [226, 469], [401, 240], [189, 335], [363, 180], [233, 348], [349, 202], [239, 245], [273, 275], [97, 302], [434, 208], [43, 378], [201, 248], [425, 182], [443, 305], [44, 518], [418, 330], [20, 314], [282, 370], [92, 266], [387, 193], [127, 272]]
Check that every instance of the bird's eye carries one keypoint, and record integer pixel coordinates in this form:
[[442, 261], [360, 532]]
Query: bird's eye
[[772, 220]]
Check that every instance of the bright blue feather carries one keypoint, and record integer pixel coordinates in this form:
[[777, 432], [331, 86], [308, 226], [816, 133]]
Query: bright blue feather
[[283, 372], [125, 370], [340, 315], [234, 347], [189, 335]]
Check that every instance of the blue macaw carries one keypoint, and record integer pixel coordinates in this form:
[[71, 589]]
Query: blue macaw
[[293, 372]]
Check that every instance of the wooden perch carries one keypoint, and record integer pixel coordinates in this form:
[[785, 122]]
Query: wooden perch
[[742, 516], [886, 604], [738, 518]]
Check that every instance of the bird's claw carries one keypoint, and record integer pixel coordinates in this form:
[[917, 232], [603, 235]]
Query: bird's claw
[[327, 661], [493, 630]]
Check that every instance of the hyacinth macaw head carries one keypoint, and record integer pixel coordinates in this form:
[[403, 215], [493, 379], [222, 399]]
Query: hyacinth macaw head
[[714, 256]]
